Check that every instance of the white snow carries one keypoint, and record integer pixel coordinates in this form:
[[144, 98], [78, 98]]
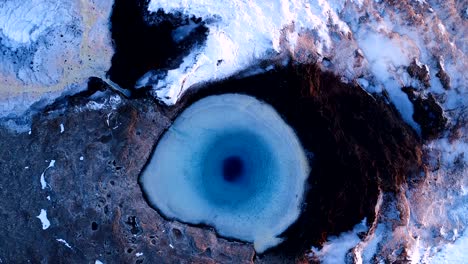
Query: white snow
[[43, 217], [240, 34], [64, 242], [62, 128], [25, 23], [171, 246], [42, 179], [385, 57], [107, 103], [81, 158], [336, 248], [98, 262], [441, 203], [456, 252], [139, 254], [184, 31], [48, 197]]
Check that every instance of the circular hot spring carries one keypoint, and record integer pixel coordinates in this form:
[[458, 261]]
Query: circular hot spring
[[231, 162]]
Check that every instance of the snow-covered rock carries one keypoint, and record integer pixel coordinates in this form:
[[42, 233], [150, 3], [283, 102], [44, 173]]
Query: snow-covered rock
[[375, 41]]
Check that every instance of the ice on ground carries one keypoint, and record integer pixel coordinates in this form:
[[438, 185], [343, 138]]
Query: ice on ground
[[456, 252], [42, 178], [335, 250], [64, 242], [43, 217]]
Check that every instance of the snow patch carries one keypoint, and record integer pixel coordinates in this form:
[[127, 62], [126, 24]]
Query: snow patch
[[386, 57], [456, 252], [336, 249], [107, 103], [64, 242], [62, 128], [43, 217], [42, 179]]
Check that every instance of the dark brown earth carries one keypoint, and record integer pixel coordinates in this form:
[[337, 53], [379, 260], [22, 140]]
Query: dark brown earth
[[357, 144]]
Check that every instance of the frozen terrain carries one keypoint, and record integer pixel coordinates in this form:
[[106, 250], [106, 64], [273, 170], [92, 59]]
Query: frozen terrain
[[50, 47]]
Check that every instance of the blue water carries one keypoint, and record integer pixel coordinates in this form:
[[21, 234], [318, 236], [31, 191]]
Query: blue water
[[231, 162], [257, 162]]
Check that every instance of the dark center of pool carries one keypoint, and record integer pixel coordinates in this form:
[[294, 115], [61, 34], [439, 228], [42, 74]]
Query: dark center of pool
[[233, 168]]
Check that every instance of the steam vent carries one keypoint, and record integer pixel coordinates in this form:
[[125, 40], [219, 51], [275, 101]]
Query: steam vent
[[230, 131]]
